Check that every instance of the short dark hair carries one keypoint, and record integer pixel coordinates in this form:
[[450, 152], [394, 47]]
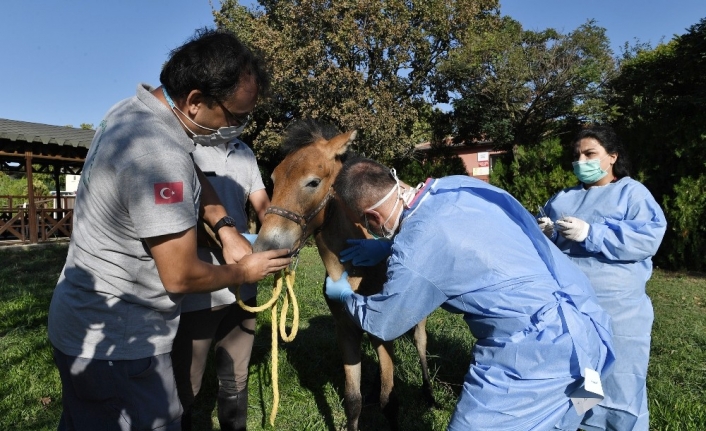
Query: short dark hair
[[213, 61], [361, 182], [609, 140]]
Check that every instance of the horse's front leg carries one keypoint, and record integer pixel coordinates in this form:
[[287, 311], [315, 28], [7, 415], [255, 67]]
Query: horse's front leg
[[388, 398], [349, 342]]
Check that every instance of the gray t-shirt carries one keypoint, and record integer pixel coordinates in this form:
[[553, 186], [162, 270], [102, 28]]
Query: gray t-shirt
[[232, 170], [138, 182]]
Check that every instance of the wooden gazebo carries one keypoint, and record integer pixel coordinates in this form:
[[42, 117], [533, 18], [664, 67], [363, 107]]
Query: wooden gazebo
[[39, 148]]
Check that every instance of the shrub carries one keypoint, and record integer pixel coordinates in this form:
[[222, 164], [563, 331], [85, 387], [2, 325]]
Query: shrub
[[684, 246], [534, 174]]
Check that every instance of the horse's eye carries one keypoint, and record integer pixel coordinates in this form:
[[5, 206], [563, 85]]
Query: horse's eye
[[313, 183]]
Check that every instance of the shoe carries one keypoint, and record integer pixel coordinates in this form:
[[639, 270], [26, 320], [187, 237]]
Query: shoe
[[233, 411]]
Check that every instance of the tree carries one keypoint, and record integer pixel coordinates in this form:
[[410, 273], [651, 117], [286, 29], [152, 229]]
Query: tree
[[524, 90], [518, 87], [83, 126], [543, 173], [363, 64], [660, 99], [16, 185], [439, 161]]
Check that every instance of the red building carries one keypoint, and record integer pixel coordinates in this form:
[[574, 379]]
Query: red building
[[478, 156]]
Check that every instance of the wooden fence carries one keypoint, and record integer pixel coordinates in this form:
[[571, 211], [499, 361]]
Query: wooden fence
[[17, 224]]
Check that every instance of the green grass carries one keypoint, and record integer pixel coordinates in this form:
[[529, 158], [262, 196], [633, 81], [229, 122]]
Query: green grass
[[677, 374], [310, 368], [30, 390]]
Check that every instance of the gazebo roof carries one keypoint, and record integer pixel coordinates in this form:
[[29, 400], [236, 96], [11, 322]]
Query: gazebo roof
[[23, 131], [64, 147]]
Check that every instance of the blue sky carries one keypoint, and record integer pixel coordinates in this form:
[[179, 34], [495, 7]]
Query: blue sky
[[66, 62]]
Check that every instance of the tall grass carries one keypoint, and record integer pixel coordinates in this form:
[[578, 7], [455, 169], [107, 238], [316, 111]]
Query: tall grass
[[310, 367]]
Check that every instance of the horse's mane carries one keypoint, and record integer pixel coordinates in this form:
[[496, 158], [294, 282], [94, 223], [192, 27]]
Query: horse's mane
[[303, 132]]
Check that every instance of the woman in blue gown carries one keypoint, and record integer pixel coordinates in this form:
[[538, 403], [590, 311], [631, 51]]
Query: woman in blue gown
[[611, 226]]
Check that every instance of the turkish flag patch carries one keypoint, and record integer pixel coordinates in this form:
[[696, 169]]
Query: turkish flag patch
[[168, 193]]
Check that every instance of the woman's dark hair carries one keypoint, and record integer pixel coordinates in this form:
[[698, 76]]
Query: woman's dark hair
[[609, 140], [214, 62]]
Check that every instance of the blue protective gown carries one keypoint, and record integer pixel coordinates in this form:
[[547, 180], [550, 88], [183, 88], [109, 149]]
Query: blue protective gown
[[627, 226], [475, 250]]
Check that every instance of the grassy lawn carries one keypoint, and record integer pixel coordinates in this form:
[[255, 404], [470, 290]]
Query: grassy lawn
[[310, 373]]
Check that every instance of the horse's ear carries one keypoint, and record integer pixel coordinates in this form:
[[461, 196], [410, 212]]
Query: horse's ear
[[339, 144]]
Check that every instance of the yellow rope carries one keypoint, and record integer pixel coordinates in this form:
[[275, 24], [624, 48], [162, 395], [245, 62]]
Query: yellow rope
[[276, 290]]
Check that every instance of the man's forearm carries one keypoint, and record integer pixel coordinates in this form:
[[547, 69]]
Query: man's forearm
[[202, 277], [234, 245]]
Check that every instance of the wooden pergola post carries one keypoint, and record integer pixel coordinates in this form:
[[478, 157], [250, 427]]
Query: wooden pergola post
[[33, 229], [57, 187]]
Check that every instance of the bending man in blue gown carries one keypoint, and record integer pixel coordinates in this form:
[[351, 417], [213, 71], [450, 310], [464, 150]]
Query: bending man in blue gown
[[473, 249]]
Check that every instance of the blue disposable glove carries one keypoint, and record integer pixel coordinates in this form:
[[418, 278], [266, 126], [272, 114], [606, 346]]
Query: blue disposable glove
[[251, 237], [366, 252], [338, 290]]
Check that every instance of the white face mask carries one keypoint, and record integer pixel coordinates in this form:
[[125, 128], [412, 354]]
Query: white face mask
[[402, 199], [219, 136]]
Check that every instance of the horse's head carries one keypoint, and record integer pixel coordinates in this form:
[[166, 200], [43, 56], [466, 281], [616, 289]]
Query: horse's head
[[302, 184]]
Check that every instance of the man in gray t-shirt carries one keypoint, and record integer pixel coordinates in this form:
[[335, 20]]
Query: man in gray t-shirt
[[215, 318], [115, 310]]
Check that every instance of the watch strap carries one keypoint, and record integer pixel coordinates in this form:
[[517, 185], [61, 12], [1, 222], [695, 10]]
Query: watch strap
[[225, 221]]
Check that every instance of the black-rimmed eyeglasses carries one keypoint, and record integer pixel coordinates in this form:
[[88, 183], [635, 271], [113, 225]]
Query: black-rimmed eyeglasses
[[235, 119]]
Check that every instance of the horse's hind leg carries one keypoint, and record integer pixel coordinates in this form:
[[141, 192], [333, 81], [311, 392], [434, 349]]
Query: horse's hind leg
[[389, 402], [420, 342]]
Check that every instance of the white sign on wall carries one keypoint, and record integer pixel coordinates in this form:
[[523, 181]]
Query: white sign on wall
[[72, 182], [484, 170], [483, 156]]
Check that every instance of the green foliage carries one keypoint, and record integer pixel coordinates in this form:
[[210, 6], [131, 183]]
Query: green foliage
[[533, 174], [438, 162], [83, 126], [9, 185], [522, 90], [518, 87], [660, 96], [687, 232], [368, 65], [16, 185]]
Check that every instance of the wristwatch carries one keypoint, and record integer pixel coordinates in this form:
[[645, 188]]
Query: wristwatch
[[225, 221]]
